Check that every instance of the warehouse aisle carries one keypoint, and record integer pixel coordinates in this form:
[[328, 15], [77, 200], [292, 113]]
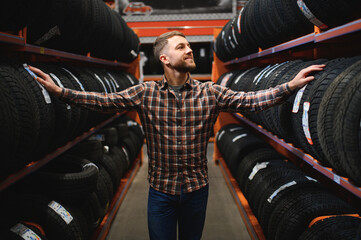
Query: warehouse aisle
[[223, 220]]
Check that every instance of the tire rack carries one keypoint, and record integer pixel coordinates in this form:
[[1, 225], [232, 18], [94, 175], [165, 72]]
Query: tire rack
[[102, 231], [340, 41], [16, 46]]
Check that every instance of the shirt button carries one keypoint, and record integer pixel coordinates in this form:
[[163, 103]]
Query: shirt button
[[179, 142], [179, 125]]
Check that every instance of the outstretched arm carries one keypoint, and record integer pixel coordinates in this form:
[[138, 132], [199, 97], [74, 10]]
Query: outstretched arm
[[230, 100], [303, 78], [45, 80], [103, 102]]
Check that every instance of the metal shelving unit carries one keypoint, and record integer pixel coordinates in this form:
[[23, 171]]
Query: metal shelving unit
[[15, 44], [313, 45], [33, 166], [315, 37], [296, 154]]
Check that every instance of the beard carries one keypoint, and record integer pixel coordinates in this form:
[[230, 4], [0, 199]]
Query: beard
[[184, 67]]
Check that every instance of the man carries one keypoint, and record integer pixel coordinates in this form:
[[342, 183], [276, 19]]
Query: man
[[178, 114]]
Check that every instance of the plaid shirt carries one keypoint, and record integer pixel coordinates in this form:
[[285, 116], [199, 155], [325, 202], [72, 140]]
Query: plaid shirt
[[177, 130]]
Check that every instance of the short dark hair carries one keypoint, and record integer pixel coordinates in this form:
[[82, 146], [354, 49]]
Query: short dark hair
[[162, 40]]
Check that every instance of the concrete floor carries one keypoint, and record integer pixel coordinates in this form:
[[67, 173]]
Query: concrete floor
[[223, 220]]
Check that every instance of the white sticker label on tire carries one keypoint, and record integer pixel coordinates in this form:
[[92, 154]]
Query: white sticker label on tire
[[45, 94], [336, 178], [130, 80], [256, 168], [309, 15], [75, 78], [283, 187], [111, 76], [239, 137], [101, 82], [235, 129], [61, 211], [311, 179], [219, 136], [43, 90], [297, 102], [306, 129], [24, 232]]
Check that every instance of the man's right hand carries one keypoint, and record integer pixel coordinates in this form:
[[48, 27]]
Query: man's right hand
[[45, 80]]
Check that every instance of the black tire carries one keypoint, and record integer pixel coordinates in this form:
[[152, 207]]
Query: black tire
[[84, 113], [13, 16], [292, 215], [35, 208], [270, 121], [121, 156], [114, 168], [107, 180], [110, 136], [88, 149], [65, 119], [227, 78], [221, 48], [46, 112], [84, 81], [91, 211], [102, 193], [44, 27], [255, 28], [272, 198], [96, 209], [327, 112], [314, 96], [128, 144], [19, 124], [261, 190], [99, 31], [347, 132], [260, 174], [330, 12], [241, 147], [69, 178], [296, 116], [16, 232], [333, 228], [224, 139], [250, 160]]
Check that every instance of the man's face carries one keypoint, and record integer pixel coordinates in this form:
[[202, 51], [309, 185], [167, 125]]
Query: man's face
[[179, 55]]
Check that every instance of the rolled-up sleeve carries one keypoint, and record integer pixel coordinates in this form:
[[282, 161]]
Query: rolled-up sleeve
[[127, 99], [230, 100]]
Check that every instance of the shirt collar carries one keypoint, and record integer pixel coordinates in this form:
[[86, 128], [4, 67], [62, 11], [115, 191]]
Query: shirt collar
[[188, 84]]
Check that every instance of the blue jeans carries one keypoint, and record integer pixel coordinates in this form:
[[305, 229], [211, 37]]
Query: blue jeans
[[187, 209]]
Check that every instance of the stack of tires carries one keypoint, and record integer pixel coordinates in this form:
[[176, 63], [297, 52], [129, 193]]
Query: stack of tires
[[68, 198], [287, 203], [75, 26], [33, 122], [322, 118], [266, 23]]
